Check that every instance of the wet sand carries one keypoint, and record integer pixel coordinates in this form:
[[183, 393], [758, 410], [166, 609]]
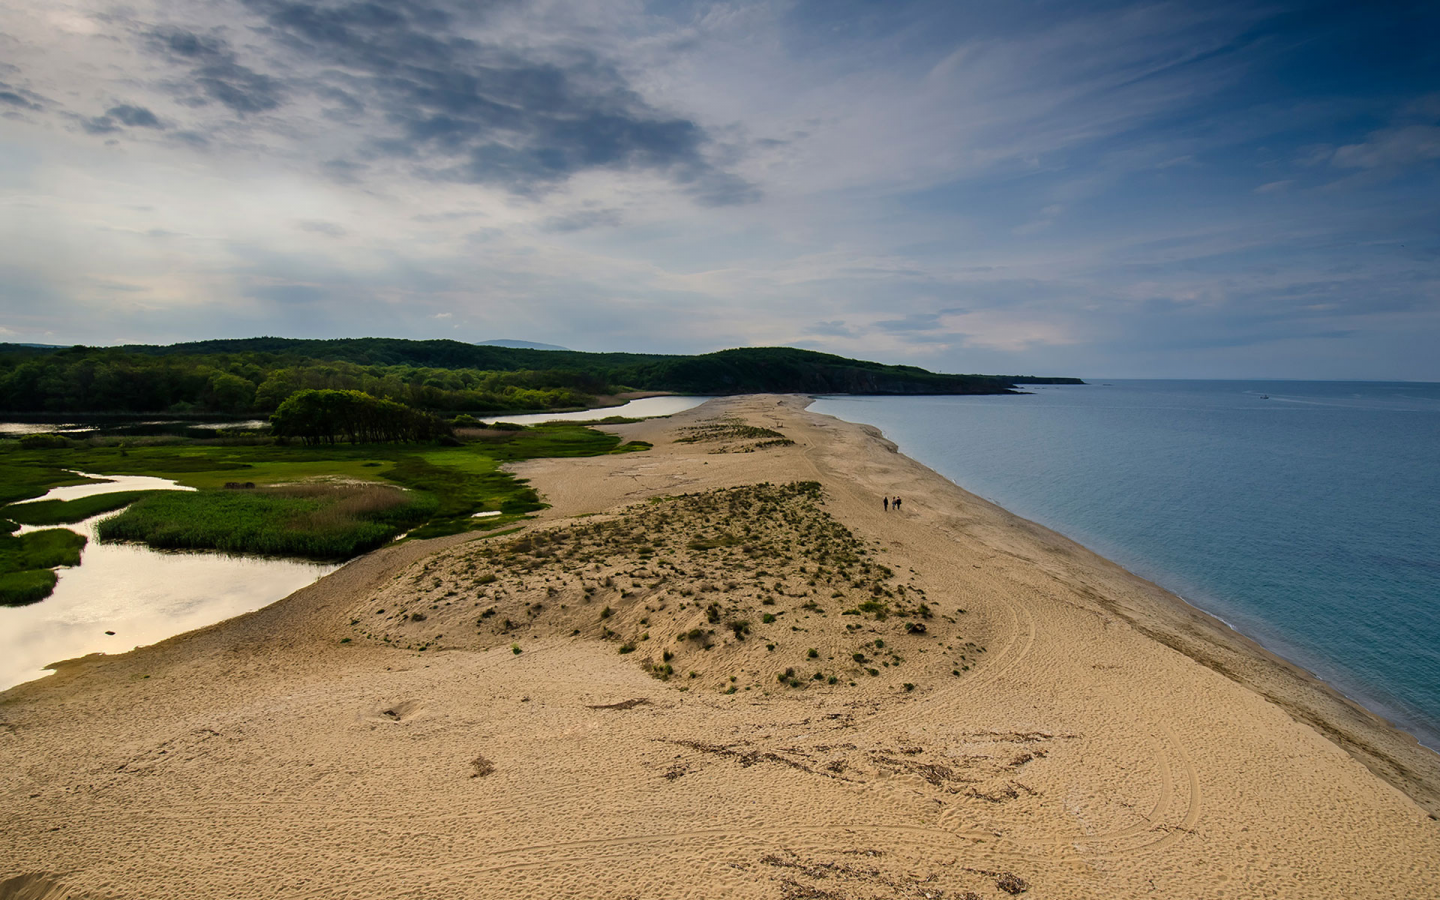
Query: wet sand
[[1076, 731]]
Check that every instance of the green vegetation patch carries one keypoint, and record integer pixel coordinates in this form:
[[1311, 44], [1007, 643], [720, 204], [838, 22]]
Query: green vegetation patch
[[240, 377], [735, 436], [24, 588], [318, 521], [36, 475], [725, 430], [64, 512], [26, 562], [327, 417], [447, 486]]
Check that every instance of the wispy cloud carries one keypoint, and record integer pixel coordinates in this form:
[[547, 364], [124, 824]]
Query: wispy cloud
[[1396, 148]]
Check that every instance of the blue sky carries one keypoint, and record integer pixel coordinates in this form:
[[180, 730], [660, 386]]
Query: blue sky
[[1101, 189]]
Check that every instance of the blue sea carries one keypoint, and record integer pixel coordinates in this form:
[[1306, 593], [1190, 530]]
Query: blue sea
[[1304, 514]]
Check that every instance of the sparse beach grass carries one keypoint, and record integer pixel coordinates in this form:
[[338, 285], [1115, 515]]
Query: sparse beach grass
[[733, 436], [721, 584]]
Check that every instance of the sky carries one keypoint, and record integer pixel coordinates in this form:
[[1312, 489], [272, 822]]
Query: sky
[[1172, 189]]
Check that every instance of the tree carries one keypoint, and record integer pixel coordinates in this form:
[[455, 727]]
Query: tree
[[327, 417]]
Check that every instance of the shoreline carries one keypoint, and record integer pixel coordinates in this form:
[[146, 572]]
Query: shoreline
[[1059, 723], [1378, 708], [1386, 749]]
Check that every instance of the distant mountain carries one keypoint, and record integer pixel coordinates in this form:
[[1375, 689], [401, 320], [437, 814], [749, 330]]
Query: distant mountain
[[520, 345], [33, 349]]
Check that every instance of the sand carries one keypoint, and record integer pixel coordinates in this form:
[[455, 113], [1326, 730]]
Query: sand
[[1074, 732]]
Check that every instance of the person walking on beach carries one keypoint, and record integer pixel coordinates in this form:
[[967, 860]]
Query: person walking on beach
[[887, 504], [897, 504]]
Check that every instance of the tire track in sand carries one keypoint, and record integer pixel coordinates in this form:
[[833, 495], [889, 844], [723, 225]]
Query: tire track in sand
[[969, 843]]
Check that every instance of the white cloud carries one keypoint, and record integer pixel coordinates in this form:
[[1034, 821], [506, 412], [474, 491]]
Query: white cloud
[[1403, 146]]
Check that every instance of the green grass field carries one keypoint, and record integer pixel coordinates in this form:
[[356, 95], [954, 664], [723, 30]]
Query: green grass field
[[445, 486]]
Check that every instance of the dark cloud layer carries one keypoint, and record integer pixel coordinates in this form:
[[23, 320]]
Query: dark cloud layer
[[448, 106], [123, 115], [215, 70]]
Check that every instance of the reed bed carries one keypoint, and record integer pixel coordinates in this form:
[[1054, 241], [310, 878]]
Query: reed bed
[[27, 562], [65, 512], [316, 521]]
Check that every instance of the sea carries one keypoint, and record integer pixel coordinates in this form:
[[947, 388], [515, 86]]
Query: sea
[[1304, 514]]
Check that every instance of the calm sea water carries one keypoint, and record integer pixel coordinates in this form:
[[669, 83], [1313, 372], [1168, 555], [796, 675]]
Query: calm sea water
[[1309, 521]]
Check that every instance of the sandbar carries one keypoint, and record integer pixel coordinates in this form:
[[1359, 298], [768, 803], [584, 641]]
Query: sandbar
[[718, 668]]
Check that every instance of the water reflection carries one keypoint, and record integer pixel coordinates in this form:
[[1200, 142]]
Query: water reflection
[[129, 427], [141, 595], [107, 484], [644, 408]]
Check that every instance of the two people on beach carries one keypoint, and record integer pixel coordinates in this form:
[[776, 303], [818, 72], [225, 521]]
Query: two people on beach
[[892, 503]]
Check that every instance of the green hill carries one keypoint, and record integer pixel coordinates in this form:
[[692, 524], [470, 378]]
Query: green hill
[[254, 375]]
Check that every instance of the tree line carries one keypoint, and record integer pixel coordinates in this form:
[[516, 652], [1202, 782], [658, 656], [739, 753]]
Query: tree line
[[329, 417], [85, 380], [256, 375]]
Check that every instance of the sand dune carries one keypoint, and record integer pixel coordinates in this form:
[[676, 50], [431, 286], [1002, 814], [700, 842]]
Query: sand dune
[[997, 711]]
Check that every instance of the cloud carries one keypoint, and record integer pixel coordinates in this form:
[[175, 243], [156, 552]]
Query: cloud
[[911, 323], [11, 98], [134, 116], [431, 86], [1399, 147], [116, 116], [834, 328], [1053, 190], [289, 294], [100, 125], [215, 69], [329, 229], [582, 220], [1043, 220]]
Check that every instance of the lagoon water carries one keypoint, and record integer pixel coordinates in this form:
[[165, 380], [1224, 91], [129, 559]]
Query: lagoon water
[[643, 408], [1304, 514], [139, 594], [126, 595]]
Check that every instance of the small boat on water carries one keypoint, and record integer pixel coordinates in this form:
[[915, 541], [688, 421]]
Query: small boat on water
[[1264, 396]]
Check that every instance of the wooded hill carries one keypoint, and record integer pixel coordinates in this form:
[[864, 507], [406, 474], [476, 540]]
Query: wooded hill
[[256, 375]]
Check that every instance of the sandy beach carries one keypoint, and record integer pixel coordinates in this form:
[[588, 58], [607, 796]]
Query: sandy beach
[[718, 668]]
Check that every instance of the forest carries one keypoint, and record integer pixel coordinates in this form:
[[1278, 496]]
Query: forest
[[255, 376]]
